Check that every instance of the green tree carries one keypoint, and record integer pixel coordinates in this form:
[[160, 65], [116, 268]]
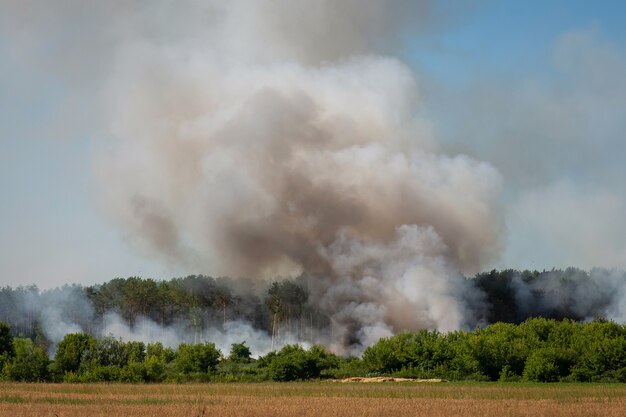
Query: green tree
[[6, 341], [154, 368], [293, 362], [29, 364], [498, 346], [6, 344], [548, 364], [239, 353], [70, 350], [108, 351], [157, 349], [135, 351], [198, 358]]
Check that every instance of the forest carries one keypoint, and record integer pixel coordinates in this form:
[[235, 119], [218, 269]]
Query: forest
[[540, 350], [536, 326], [283, 308]]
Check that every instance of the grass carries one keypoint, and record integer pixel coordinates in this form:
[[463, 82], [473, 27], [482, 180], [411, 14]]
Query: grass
[[313, 399]]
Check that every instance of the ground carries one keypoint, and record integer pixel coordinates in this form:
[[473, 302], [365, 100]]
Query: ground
[[313, 399]]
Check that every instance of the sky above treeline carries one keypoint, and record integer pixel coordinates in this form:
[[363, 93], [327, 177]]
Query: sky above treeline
[[534, 89]]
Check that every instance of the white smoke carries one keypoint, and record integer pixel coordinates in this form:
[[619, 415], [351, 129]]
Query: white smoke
[[267, 146], [147, 331]]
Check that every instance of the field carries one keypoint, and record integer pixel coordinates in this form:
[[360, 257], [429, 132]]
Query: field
[[312, 399]]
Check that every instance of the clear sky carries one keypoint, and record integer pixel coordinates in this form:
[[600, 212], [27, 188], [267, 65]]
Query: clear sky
[[536, 88]]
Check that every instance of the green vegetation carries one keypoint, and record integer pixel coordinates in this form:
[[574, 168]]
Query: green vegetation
[[537, 350], [196, 303]]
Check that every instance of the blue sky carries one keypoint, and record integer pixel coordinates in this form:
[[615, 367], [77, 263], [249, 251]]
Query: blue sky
[[533, 87]]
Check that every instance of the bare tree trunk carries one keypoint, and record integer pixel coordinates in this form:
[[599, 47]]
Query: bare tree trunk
[[274, 330], [288, 320], [224, 325]]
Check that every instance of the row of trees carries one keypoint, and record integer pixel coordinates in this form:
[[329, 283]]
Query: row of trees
[[81, 358], [191, 304], [539, 349], [544, 350], [196, 305], [513, 296]]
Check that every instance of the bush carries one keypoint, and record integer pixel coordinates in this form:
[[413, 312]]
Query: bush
[[548, 364], [6, 342], [385, 355], [154, 369], [347, 367], [107, 351], [135, 351], [239, 353], [292, 363], [199, 358], [29, 363], [70, 351], [134, 372], [164, 353], [98, 373]]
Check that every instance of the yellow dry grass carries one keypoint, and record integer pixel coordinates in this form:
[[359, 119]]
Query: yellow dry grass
[[367, 379], [312, 399]]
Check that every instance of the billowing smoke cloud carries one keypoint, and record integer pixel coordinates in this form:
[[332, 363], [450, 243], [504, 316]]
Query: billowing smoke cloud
[[275, 143], [573, 293], [274, 138]]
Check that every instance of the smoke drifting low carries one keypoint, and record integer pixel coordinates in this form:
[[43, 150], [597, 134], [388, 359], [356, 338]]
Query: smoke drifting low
[[345, 313], [267, 146]]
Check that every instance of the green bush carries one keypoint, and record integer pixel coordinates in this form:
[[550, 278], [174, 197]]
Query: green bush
[[154, 369], [99, 373], [107, 351], [70, 350], [548, 364], [239, 353], [347, 367], [29, 363], [6, 342], [164, 353], [293, 362], [133, 372], [135, 351], [198, 358]]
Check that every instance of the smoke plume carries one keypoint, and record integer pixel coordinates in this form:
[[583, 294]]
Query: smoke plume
[[278, 140]]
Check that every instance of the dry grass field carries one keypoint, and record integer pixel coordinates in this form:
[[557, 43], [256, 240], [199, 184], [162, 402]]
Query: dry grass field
[[312, 399]]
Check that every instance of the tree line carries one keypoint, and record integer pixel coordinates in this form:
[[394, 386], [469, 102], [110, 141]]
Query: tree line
[[284, 307], [192, 304], [542, 350]]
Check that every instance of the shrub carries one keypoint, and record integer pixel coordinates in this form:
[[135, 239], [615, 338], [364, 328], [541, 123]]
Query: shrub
[[239, 353], [292, 362], [6, 342], [164, 353], [107, 351], [548, 364], [70, 350], [154, 369], [135, 351], [133, 372], [29, 363], [199, 358]]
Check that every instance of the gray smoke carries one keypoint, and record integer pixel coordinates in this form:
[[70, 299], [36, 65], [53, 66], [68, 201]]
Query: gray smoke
[[278, 141], [574, 293]]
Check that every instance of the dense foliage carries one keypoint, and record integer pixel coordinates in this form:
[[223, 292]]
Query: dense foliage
[[542, 350], [197, 304], [192, 305]]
